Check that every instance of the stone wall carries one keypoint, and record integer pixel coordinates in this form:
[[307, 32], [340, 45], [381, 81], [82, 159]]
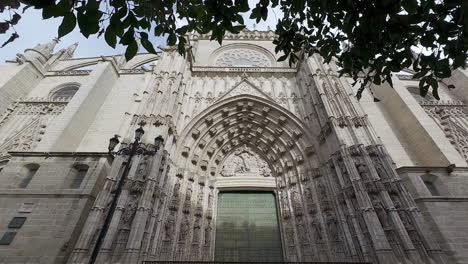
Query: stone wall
[[54, 211], [445, 207]]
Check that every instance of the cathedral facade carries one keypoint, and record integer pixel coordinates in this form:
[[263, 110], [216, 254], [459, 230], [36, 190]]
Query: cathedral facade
[[243, 158]]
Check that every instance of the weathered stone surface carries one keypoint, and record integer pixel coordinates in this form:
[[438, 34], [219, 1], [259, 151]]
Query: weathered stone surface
[[232, 119]]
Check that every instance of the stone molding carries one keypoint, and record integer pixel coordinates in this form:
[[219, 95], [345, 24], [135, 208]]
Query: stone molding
[[69, 73], [447, 199], [243, 35], [243, 69]]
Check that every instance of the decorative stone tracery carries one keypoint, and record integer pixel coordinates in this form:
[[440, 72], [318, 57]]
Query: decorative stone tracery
[[242, 57], [338, 195]]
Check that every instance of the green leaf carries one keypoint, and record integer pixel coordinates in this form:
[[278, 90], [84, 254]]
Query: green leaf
[[146, 43], [110, 36], [68, 24], [283, 58], [172, 39], [131, 51], [128, 37], [435, 93]]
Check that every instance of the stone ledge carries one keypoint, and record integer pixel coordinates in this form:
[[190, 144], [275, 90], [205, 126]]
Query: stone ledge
[[46, 195], [243, 69], [425, 169], [246, 262], [441, 199], [57, 154]]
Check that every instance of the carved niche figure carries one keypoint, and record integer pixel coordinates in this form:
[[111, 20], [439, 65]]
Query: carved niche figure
[[403, 215], [290, 234], [196, 229], [362, 169], [130, 210], [200, 197], [208, 229], [169, 226], [322, 191], [380, 211], [318, 230], [188, 194], [265, 169], [296, 202], [184, 230], [302, 230], [210, 199], [176, 188], [308, 195], [332, 227]]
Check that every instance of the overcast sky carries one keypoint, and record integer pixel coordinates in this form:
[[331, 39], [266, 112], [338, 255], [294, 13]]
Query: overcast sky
[[33, 30]]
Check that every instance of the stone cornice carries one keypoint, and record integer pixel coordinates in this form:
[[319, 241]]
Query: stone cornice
[[57, 154], [244, 69], [441, 199], [426, 169], [243, 35], [68, 73], [22, 193]]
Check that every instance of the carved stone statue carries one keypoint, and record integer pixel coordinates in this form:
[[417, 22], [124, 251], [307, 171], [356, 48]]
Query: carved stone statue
[[380, 211], [184, 230], [196, 230], [176, 188], [208, 229], [302, 230], [130, 210], [332, 228], [169, 226], [308, 195], [290, 234], [265, 169], [317, 230]]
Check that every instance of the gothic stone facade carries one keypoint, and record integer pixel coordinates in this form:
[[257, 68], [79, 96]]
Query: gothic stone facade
[[381, 182]]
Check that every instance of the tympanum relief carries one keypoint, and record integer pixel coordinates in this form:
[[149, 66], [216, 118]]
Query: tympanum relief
[[245, 162]]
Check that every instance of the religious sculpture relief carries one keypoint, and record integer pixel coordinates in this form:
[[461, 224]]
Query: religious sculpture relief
[[196, 229], [317, 230], [208, 230], [245, 162], [169, 226], [184, 230], [130, 210]]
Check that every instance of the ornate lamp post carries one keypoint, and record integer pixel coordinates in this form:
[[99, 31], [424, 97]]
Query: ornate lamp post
[[135, 148]]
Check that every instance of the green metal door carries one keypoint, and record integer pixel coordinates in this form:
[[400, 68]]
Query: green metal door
[[247, 227]]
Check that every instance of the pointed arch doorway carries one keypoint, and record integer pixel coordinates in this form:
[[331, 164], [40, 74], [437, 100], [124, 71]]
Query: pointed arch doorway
[[247, 228]]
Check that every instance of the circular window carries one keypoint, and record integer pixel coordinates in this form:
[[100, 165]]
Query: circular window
[[242, 57]]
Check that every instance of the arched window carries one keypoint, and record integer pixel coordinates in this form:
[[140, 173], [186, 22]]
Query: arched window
[[65, 92], [77, 175], [431, 187], [28, 172], [432, 184]]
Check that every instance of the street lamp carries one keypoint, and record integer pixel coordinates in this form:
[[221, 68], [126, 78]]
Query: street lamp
[[135, 148]]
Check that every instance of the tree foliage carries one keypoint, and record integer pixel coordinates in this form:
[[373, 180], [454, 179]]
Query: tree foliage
[[369, 39]]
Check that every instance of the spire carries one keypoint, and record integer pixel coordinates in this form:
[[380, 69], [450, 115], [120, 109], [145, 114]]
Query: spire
[[48, 48], [70, 51]]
